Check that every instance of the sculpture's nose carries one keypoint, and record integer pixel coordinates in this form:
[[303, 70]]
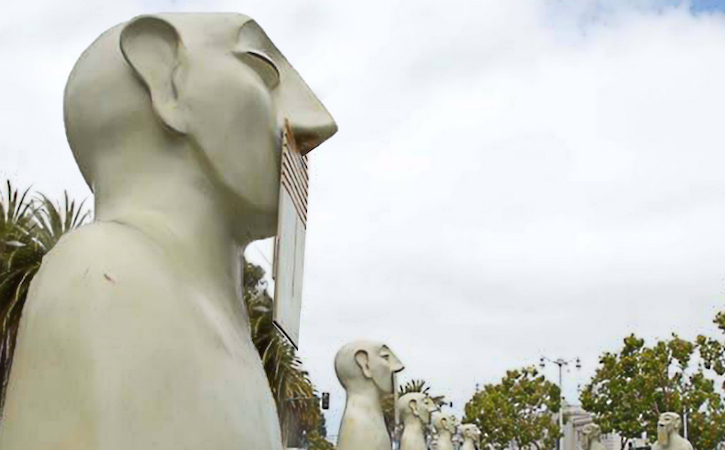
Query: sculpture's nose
[[396, 365], [311, 123], [310, 135]]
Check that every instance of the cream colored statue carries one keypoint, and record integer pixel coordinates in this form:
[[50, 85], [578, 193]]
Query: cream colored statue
[[135, 335], [445, 425], [592, 437], [668, 433], [471, 435], [415, 410], [366, 370]]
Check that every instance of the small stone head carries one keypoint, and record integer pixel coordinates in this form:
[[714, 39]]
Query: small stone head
[[591, 433], [416, 405], [668, 424], [470, 431], [445, 422], [363, 365]]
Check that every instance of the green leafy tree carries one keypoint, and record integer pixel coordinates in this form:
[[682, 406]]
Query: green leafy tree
[[521, 409], [633, 387], [713, 350]]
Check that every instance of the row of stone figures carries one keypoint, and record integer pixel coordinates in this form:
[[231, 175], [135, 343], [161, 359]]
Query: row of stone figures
[[367, 371], [449, 431], [668, 435]]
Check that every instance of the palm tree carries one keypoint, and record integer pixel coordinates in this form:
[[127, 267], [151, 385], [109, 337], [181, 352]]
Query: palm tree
[[292, 389], [421, 386], [29, 228]]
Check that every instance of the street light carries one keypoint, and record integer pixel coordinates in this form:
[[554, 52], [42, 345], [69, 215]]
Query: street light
[[560, 363]]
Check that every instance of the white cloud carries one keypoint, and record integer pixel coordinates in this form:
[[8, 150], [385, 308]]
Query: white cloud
[[510, 179]]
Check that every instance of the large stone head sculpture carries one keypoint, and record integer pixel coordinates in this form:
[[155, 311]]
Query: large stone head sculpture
[[590, 433], [416, 406], [667, 426], [366, 366], [444, 423], [161, 88]]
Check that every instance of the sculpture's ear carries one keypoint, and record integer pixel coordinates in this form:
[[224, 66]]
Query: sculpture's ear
[[444, 422], [362, 359], [152, 47], [413, 405]]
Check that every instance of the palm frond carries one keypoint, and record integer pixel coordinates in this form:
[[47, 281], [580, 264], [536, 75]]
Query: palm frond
[[291, 387]]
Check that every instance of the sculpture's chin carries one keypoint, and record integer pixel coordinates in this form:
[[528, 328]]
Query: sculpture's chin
[[383, 390], [663, 438]]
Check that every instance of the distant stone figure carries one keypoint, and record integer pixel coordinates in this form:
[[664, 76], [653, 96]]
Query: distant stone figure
[[592, 437], [471, 435], [668, 433], [415, 409], [135, 334], [365, 369], [445, 425]]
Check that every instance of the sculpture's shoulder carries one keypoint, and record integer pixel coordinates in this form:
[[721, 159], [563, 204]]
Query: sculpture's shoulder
[[101, 243], [682, 443], [361, 430], [99, 260], [94, 312]]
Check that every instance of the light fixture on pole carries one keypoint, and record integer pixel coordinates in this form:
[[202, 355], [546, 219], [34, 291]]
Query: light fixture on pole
[[560, 363]]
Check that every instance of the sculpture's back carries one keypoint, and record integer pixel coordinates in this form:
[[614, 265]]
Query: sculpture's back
[[134, 334]]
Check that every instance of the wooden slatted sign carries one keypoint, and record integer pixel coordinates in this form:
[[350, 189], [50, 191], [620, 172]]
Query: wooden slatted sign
[[289, 252]]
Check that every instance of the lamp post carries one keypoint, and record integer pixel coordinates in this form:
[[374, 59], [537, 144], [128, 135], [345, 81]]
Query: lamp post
[[560, 363]]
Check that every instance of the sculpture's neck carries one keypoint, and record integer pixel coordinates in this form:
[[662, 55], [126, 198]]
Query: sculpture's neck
[[172, 202], [445, 440], [367, 401], [468, 444], [413, 435], [363, 424], [445, 435], [674, 441]]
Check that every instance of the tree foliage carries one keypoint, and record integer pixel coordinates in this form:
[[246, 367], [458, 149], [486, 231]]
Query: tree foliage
[[521, 409], [633, 387], [297, 403], [712, 350]]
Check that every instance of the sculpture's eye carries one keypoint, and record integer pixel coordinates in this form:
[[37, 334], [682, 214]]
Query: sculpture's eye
[[262, 65]]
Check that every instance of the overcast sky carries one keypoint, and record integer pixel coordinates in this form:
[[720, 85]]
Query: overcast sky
[[511, 178]]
